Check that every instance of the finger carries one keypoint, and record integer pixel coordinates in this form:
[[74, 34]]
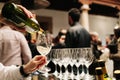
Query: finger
[[41, 61], [41, 65], [39, 57], [27, 12]]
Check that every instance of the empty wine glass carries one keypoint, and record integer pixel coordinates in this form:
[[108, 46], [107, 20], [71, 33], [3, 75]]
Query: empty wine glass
[[44, 44], [55, 60], [88, 61], [60, 63]]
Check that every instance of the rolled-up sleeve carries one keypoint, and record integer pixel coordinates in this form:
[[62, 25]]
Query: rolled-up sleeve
[[9, 73]]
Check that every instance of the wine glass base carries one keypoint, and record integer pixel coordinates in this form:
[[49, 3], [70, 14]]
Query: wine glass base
[[44, 70]]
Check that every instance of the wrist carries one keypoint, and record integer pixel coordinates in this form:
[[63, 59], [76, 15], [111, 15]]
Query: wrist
[[24, 72]]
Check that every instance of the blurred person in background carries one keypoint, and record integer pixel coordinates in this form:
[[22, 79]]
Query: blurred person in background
[[59, 41], [104, 56], [109, 38], [115, 52], [77, 36], [94, 43]]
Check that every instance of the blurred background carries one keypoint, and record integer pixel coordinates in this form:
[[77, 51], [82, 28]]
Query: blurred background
[[101, 15]]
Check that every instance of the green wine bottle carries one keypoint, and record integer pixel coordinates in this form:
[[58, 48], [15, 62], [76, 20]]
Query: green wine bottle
[[15, 14]]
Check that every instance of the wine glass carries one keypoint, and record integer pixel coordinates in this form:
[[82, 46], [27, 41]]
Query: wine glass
[[44, 45], [56, 60], [88, 61]]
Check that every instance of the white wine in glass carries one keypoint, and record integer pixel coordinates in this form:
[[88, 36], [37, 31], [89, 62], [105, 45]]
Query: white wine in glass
[[43, 50]]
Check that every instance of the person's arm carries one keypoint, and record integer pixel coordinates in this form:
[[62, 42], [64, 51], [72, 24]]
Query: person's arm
[[116, 56], [16, 73], [9, 73]]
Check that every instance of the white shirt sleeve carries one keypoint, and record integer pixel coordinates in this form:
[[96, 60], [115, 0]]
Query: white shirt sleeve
[[9, 73], [25, 49]]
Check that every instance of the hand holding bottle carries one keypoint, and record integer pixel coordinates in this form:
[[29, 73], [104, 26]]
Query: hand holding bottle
[[20, 16], [27, 12]]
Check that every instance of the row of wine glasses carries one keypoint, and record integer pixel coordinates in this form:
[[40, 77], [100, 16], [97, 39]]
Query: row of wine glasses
[[78, 59]]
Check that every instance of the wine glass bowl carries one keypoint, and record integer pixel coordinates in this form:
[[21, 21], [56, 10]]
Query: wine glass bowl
[[43, 43]]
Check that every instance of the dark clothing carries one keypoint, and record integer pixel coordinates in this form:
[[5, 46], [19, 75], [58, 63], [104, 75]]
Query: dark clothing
[[116, 64], [59, 46], [32, 45], [33, 49], [97, 53], [114, 47], [77, 37]]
